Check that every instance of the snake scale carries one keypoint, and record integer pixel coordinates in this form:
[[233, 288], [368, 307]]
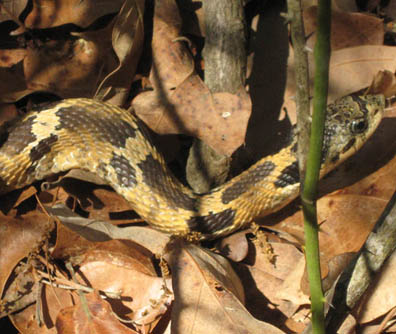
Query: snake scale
[[112, 143]]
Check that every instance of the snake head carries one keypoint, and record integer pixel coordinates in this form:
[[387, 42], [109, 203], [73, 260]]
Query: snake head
[[350, 121]]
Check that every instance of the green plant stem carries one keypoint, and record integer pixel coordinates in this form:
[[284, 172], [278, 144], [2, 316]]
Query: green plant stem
[[309, 191]]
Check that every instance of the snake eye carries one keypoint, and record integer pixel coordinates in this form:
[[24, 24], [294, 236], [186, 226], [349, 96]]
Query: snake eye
[[359, 125]]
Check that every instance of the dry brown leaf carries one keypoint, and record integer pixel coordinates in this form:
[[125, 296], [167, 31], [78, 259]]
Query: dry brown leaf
[[10, 10], [75, 320], [21, 290], [115, 208], [218, 119], [127, 41], [77, 65], [180, 102], [384, 83], [351, 69], [285, 258], [24, 195], [354, 68], [9, 58], [70, 67], [207, 295], [19, 236], [263, 278], [79, 189], [10, 204], [122, 253], [347, 29], [12, 84], [144, 296], [52, 300], [8, 112], [70, 244], [172, 61], [96, 230], [234, 246], [291, 286], [52, 13]]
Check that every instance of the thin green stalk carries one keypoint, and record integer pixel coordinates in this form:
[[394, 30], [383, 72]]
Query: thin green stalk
[[309, 191]]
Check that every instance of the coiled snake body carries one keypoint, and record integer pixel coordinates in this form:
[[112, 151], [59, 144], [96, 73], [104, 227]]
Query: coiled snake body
[[110, 142]]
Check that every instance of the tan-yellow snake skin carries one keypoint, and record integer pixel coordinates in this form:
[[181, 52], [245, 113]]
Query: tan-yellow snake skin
[[112, 143]]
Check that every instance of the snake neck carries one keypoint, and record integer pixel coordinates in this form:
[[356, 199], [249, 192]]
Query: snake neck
[[265, 187]]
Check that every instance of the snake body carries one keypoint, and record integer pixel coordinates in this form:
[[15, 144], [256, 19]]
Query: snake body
[[112, 143]]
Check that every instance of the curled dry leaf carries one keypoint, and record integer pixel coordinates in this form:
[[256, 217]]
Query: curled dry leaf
[[76, 64], [384, 83], [359, 64], [127, 41], [11, 203], [71, 245], [124, 253]]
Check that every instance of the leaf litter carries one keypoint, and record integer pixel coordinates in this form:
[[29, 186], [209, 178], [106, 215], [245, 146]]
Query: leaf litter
[[129, 278]]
